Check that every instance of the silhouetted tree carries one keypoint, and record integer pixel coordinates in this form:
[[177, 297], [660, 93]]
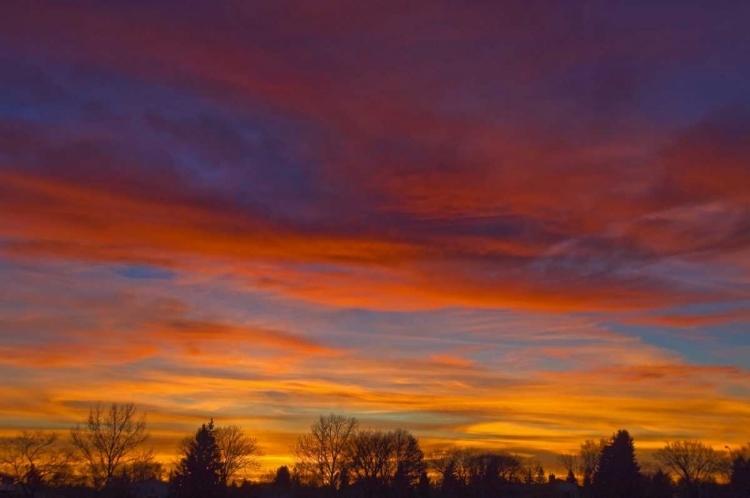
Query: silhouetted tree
[[509, 467], [487, 473], [617, 475], [143, 467], [379, 459], [739, 478], [659, 485], [528, 477], [540, 477], [344, 479], [368, 454], [239, 452], [283, 477], [321, 453], [452, 466], [483, 472], [423, 487], [571, 478], [570, 462], [589, 458], [692, 461], [108, 439], [198, 474], [407, 457], [400, 485], [451, 485], [32, 459], [535, 472]]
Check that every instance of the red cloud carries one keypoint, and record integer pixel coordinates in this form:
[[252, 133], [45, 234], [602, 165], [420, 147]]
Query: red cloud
[[423, 196]]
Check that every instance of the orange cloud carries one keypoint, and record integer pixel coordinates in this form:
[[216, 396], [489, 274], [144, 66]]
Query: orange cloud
[[72, 221], [691, 320], [185, 332]]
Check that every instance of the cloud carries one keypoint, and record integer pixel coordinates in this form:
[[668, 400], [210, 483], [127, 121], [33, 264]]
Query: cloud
[[693, 320], [451, 204], [187, 333], [418, 214]]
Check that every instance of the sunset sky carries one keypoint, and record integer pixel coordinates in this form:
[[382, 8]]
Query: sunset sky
[[502, 224]]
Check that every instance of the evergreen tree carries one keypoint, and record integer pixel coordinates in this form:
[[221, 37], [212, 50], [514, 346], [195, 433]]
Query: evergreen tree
[[571, 478], [199, 472], [343, 479], [283, 477], [659, 485], [423, 488], [540, 477], [451, 486], [740, 477], [400, 486], [617, 475]]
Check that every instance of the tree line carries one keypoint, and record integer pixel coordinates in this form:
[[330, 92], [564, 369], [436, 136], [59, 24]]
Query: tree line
[[107, 456]]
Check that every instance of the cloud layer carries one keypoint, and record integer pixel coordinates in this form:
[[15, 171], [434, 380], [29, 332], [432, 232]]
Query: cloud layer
[[477, 221]]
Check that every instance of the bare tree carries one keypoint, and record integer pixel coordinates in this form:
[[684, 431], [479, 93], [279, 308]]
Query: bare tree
[[321, 453], [378, 458], [108, 439], [589, 458], [453, 464], [692, 461], [407, 457], [534, 471], [369, 455], [143, 466], [239, 453], [464, 466], [33, 459], [507, 468], [570, 462]]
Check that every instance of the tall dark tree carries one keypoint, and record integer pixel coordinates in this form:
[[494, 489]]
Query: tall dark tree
[[283, 477], [344, 480], [400, 485], [571, 478], [617, 474], [424, 485], [571, 463], [368, 456], [199, 472], [491, 470], [589, 456], [451, 485], [379, 460], [659, 485], [739, 480], [407, 457]]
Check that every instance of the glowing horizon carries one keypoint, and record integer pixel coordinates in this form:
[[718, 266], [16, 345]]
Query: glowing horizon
[[504, 225]]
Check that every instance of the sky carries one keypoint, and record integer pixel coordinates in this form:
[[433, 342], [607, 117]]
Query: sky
[[515, 225]]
